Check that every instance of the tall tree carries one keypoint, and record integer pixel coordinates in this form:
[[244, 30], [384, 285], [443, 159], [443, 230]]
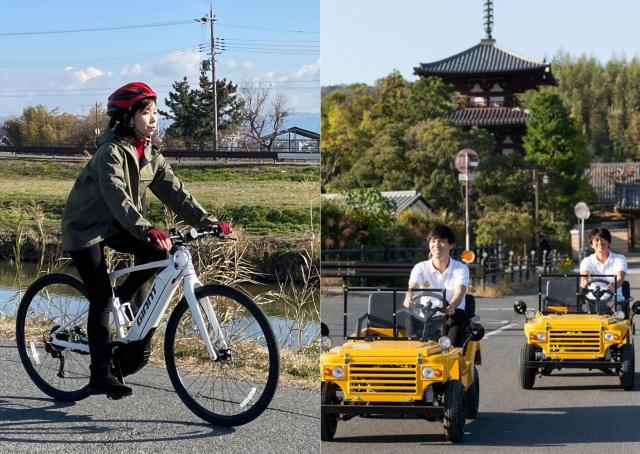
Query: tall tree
[[555, 144], [263, 114], [40, 126], [191, 110]]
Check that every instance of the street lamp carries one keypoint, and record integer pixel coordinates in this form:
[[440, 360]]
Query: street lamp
[[582, 212]]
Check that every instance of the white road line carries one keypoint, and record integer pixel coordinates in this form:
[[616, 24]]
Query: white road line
[[502, 328]]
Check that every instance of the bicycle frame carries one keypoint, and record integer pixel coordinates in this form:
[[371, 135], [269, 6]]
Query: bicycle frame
[[177, 269]]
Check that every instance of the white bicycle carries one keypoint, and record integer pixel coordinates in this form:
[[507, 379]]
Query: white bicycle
[[219, 349]]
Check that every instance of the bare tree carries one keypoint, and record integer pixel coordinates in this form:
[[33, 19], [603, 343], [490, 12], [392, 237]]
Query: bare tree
[[263, 113]]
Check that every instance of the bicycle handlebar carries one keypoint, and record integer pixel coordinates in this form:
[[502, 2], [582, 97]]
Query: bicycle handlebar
[[193, 234]]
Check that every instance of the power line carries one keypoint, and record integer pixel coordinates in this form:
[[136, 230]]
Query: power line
[[96, 29], [267, 29]]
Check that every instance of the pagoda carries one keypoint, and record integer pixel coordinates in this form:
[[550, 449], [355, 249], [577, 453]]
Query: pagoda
[[489, 77]]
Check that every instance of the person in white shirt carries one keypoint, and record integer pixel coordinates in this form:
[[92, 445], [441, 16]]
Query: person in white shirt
[[604, 261], [443, 272]]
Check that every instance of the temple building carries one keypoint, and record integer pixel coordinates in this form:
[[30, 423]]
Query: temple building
[[489, 77]]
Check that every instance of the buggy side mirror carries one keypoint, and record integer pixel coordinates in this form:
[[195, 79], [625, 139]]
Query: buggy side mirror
[[324, 329], [477, 331], [626, 290], [520, 307], [635, 308]]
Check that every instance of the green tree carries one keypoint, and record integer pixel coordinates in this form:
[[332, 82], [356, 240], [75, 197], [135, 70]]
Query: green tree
[[40, 126], [191, 110], [555, 144]]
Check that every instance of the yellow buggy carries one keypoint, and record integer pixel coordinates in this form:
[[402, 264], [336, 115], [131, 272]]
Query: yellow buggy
[[398, 361], [578, 327]]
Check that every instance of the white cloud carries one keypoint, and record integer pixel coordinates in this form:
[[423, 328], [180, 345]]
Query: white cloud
[[82, 76], [307, 72], [248, 65], [178, 65], [132, 70]]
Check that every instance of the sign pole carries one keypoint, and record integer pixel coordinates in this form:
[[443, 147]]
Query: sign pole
[[466, 204]]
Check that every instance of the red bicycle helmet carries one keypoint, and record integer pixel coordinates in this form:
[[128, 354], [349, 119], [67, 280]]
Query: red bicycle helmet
[[128, 95]]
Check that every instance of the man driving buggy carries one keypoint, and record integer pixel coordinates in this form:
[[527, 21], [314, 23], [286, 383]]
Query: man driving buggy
[[604, 262], [441, 271]]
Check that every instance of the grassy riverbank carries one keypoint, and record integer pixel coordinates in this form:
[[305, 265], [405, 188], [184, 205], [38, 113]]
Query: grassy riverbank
[[263, 200]]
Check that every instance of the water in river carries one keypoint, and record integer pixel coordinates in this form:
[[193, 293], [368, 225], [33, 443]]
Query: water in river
[[286, 329]]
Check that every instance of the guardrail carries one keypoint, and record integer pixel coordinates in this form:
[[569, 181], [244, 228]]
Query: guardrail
[[486, 269], [49, 152]]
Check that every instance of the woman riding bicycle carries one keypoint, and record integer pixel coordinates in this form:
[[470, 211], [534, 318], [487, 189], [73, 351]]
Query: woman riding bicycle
[[104, 208]]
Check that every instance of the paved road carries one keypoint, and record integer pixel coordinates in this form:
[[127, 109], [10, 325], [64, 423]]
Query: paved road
[[154, 420], [569, 412]]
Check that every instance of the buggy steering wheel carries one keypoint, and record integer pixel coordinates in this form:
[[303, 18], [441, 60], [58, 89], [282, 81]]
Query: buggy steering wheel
[[423, 304], [598, 291]]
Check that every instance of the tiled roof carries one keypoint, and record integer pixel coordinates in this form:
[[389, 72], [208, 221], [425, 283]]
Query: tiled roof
[[402, 199], [489, 116], [486, 57]]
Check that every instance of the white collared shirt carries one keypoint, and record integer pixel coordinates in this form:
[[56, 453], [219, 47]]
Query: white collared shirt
[[425, 275], [612, 266]]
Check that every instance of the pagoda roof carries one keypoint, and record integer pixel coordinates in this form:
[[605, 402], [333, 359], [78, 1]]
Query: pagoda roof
[[485, 57], [489, 116]]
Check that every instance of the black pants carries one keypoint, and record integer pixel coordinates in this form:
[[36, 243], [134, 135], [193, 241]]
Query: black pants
[[456, 326], [92, 268]]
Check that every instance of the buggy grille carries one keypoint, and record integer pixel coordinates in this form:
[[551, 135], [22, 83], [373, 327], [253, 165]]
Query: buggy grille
[[383, 378], [578, 341]]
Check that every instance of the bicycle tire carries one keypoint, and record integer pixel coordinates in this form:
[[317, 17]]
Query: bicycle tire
[[187, 367], [38, 313]]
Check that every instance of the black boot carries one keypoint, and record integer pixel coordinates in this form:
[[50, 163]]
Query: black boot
[[104, 382]]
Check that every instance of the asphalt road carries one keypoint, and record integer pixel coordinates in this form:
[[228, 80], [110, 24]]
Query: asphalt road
[[153, 420], [571, 411]]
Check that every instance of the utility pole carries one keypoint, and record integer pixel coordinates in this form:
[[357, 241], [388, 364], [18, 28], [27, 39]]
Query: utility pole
[[97, 130], [536, 219], [211, 19]]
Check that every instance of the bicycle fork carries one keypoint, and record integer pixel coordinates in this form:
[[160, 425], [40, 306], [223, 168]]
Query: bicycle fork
[[210, 339]]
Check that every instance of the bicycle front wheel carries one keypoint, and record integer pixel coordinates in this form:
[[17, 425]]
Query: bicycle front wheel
[[52, 302], [238, 386]]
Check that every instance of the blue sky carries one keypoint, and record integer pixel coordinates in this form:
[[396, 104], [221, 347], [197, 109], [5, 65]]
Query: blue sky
[[362, 41], [270, 43]]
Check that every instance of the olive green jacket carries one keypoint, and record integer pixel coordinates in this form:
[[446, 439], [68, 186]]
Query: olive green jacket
[[108, 191]]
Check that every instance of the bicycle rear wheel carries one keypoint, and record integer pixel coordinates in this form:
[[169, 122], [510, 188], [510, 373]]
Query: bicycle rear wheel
[[50, 302], [238, 386]]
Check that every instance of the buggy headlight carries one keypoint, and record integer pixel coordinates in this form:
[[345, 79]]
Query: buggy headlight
[[611, 337], [337, 372], [325, 343], [530, 314], [620, 315], [540, 337], [427, 372], [445, 343]]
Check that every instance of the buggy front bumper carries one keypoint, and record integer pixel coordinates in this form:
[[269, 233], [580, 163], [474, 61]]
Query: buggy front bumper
[[572, 364], [418, 410]]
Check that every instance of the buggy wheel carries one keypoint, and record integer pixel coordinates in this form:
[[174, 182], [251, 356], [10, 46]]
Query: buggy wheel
[[627, 371], [328, 423], [527, 374], [454, 411], [472, 397], [51, 302]]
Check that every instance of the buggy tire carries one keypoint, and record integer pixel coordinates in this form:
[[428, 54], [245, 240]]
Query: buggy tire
[[527, 374], [454, 417], [472, 397], [328, 423], [627, 370]]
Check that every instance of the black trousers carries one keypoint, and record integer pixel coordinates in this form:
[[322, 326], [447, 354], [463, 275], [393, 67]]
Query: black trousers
[[92, 268], [456, 325]]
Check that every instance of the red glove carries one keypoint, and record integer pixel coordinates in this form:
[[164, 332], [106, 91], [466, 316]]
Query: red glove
[[157, 235], [225, 228]]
